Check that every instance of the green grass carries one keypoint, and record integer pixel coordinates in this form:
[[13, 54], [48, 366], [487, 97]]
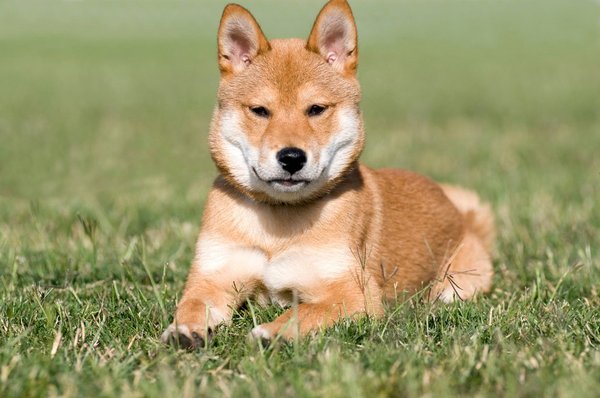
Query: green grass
[[104, 168]]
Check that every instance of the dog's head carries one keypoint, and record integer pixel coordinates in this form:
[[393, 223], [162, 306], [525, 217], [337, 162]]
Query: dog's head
[[287, 126]]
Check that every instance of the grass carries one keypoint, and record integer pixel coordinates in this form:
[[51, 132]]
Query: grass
[[104, 109]]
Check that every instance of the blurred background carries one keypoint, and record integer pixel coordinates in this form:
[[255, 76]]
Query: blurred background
[[113, 98]]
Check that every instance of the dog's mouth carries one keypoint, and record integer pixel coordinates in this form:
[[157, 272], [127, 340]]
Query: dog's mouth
[[283, 183], [288, 182]]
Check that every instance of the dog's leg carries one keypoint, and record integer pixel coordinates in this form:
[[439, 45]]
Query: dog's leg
[[206, 302], [466, 272], [222, 277], [343, 299]]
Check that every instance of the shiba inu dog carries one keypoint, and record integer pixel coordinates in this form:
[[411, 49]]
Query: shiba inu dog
[[293, 216]]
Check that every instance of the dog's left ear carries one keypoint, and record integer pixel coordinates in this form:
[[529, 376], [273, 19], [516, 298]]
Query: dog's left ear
[[240, 39], [334, 37]]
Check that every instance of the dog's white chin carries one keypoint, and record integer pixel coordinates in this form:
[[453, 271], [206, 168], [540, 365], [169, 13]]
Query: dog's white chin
[[282, 188], [288, 193], [288, 187]]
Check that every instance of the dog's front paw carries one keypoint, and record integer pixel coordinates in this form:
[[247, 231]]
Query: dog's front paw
[[262, 335], [188, 337]]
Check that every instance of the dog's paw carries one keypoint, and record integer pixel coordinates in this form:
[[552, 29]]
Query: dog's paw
[[188, 337], [261, 335]]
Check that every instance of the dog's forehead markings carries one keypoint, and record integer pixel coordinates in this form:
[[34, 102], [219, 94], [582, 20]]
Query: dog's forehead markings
[[309, 92], [285, 71]]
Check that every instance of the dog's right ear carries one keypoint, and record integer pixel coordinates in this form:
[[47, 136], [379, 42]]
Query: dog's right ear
[[239, 40], [334, 37]]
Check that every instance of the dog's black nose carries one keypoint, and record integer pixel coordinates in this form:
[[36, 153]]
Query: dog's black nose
[[291, 159]]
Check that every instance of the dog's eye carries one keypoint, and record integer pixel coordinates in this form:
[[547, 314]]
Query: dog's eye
[[260, 111], [315, 110]]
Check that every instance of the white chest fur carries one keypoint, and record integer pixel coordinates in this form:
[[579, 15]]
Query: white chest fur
[[298, 268]]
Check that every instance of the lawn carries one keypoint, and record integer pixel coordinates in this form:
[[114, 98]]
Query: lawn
[[104, 169]]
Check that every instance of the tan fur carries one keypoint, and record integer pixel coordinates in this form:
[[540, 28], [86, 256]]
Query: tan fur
[[351, 237]]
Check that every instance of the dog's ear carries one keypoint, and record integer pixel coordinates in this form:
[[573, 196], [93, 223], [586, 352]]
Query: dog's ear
[[239, 40], [334, 37]]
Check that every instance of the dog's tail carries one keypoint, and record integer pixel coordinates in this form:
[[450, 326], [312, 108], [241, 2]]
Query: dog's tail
[[477, 214]]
